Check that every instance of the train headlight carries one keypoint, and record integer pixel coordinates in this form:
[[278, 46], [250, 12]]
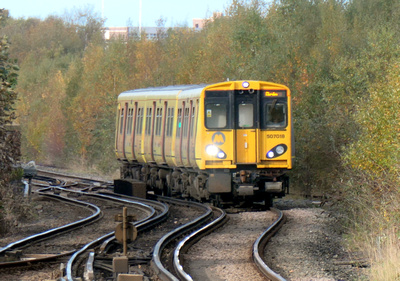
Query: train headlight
[[215, 151], [212, 150], [277, 151]]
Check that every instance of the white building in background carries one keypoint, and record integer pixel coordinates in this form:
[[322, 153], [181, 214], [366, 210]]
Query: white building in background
[[151, 32], [116, 32], [126, 32]]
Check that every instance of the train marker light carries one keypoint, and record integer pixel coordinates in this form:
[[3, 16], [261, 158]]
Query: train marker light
[[270, 154], [221, 155], [245, 84]]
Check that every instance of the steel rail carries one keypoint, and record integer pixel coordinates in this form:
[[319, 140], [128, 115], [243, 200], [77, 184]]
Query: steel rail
[[69, 176], [260, 243], [43, 235], [141, 225], [109, 236], [156, 263], [35, 260], [189, 240], [150, 222]]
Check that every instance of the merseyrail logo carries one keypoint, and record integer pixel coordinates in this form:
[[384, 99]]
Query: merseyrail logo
[[218, 138]]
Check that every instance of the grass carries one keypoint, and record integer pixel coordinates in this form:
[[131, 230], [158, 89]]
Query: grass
[[385, 257], [375, 230]]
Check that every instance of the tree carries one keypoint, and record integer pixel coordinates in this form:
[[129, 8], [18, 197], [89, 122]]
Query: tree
[[9, 140], [8, 96]]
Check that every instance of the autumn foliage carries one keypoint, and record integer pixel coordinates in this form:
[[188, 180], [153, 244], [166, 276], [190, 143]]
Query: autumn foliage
[[11, 206], [340, 59]]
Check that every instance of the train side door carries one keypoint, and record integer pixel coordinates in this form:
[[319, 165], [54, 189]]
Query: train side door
[[122, 131], [179, 133], [246, 123]]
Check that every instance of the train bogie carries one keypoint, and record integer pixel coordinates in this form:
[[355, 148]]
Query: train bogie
[[230, 142]]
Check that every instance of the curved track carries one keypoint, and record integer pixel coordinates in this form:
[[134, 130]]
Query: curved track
[[160, 267], [50, 233], [260, 243], [152, 218], [219, 219], [212, 218]]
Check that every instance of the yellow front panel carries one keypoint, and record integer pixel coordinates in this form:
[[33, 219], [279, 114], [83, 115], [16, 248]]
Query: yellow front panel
[[250, 134], [246, 146], [224, 141], [271, 139]]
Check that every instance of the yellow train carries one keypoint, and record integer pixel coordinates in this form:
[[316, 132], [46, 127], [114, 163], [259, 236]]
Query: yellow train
[[229, 142]]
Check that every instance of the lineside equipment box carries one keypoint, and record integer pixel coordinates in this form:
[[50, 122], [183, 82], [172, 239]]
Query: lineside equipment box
[[130, 187]]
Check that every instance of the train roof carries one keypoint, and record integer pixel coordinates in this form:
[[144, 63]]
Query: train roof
[[168, 88], [189, 91], [163, 91]]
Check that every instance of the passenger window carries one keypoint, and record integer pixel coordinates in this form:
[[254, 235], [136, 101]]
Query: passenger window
[[129, 121], [170, 120], [179, 123], [192, 122], [139, 121], [148, 121], [121, 121], [246, 115], [216, 115], [185, 122], [158, 121], [275, 114]]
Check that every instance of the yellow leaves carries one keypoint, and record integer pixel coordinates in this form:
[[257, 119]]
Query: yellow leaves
[[377, 149]]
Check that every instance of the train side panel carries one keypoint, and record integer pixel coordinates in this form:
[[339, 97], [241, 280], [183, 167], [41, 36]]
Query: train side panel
[[188, 110]]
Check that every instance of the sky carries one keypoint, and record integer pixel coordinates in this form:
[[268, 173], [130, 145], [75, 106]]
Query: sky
[[122, 12]]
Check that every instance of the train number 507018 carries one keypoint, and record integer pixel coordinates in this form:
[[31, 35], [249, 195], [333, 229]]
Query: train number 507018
[[275, 136]]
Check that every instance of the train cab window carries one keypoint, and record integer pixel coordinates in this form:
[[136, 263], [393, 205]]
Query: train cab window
[[275, 114], [216, 115], [246, 115]]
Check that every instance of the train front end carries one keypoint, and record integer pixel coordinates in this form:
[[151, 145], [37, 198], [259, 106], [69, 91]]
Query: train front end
[[246, 142]]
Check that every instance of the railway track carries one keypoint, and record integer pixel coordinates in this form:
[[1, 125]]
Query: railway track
[[227, 253], [171, 237], [200, 216], [45, 235], [260, 243], [37, 244], [153, 243]]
